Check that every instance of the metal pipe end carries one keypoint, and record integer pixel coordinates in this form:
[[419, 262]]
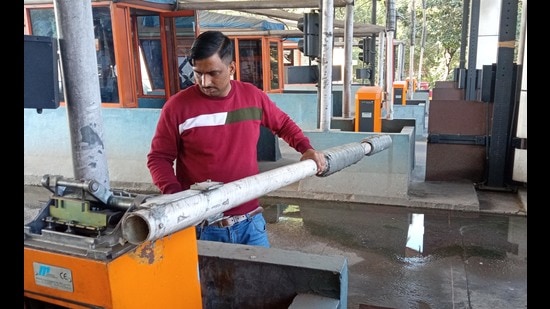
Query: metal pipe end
[[135, 229], [378, 143], [327, 169]]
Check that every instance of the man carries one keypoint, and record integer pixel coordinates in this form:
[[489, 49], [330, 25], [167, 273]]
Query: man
[[211, 131]]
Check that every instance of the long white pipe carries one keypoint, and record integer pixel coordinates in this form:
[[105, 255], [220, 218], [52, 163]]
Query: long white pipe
[[163, 215], [391, 23], [422, 43], [381, 60], [411, 88], [347, 100], [75, 31], [389, 76]]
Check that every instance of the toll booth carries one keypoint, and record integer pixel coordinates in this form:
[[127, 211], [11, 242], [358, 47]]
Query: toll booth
[[368, 109], [399, 92]]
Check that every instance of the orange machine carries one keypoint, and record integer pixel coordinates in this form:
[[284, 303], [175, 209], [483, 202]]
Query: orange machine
[[368, 109], [83, 262]]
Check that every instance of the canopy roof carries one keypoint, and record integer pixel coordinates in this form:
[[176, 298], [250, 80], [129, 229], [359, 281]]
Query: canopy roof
[[213, 20]]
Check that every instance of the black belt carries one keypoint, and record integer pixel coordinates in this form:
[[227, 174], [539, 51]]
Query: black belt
[[230, 220]]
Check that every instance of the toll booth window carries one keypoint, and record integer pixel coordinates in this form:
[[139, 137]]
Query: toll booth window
[[185, 72], [150, 55], [274, 65], [105, 51], [288, 57], [43, 24], [185, 35], [250, 61]]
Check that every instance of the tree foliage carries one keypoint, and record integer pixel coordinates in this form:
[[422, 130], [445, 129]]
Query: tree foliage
[[443, 32], [443, 38], [441, 54]]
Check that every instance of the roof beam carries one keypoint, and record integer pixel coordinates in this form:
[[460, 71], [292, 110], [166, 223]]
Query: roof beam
[[220, 5], [275, 13], [248, 4], [267, 8], [273, 9], [282, 33]]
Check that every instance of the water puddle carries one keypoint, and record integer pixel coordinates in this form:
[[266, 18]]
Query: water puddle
[[399, 257]]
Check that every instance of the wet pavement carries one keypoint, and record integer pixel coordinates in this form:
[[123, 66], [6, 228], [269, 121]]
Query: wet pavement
[[402, 257], [427, 252], [411, 258]]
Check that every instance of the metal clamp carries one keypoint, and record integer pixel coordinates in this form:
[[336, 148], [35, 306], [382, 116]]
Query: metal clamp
[[208, 185]]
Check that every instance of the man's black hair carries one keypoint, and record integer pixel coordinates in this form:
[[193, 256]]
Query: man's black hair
[[209, 43]]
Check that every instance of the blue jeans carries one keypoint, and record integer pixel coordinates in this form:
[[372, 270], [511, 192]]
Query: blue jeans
[[251, 231]]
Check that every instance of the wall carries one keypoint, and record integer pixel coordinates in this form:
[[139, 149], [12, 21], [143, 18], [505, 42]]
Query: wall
[[375, 179], [127, 136], [289, 273], [303, 108]]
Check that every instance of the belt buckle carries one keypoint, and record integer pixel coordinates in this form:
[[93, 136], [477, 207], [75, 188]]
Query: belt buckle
[[215, 218], [227, 221]]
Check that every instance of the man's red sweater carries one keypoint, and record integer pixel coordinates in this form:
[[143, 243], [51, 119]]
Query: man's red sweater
[[216, 139]]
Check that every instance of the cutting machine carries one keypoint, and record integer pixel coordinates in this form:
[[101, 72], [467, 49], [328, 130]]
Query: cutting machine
[[75, 256]]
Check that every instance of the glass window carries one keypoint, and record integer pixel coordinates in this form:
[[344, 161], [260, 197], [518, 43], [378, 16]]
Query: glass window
[[106, 66], [43, 24], [185, 35], [274, 64], [185, 70], [250, 61], [150, 50]]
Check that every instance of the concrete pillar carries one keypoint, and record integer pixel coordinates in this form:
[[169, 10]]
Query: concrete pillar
[[520, 155], [325, 80], [347, 100], [76, 37]]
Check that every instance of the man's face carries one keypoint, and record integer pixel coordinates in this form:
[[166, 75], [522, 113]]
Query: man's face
[[213, 75]]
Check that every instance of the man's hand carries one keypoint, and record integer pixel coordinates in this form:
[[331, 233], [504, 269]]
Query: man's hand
[[316, 156]]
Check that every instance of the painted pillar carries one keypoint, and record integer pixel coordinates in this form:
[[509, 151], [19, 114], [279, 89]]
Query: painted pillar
[[76, 37]]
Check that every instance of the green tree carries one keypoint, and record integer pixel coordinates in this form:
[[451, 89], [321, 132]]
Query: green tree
[[443, 34]]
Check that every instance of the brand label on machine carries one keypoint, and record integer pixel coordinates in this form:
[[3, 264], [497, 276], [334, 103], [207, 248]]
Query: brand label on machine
[[53, 277]]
